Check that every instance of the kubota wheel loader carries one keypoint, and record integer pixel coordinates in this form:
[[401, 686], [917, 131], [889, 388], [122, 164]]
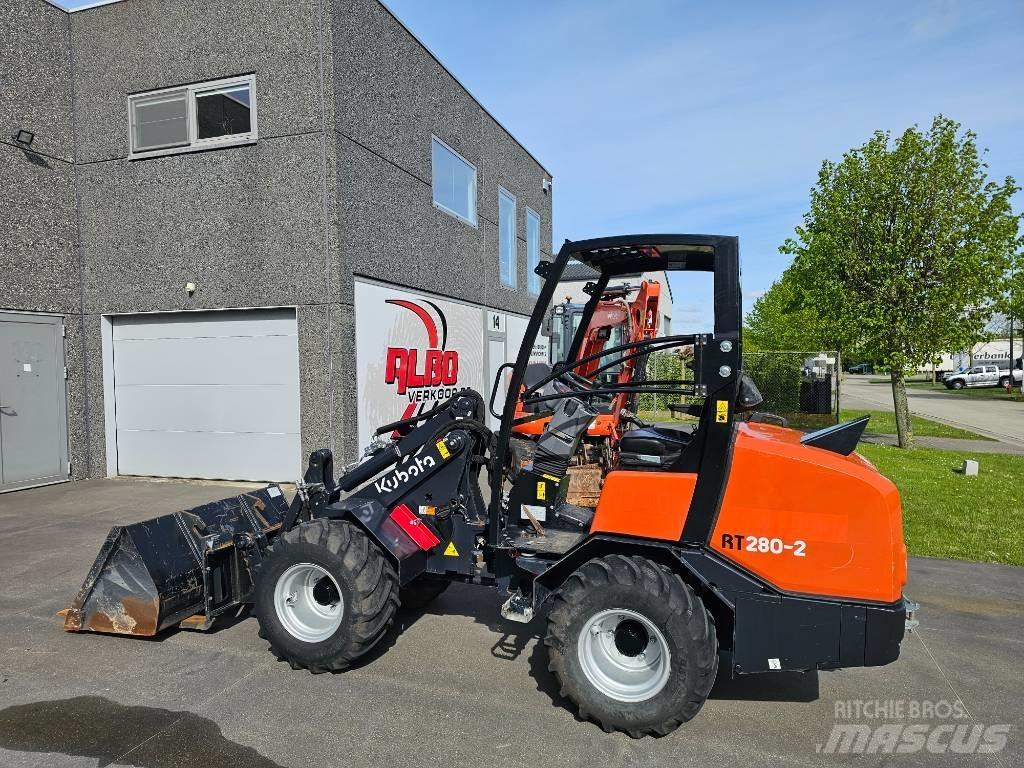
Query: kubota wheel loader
[[716, 557]]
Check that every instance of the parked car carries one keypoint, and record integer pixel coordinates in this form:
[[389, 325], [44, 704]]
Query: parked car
[[981, 376], [865, 368]]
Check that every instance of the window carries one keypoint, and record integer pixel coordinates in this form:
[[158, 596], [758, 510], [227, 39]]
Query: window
[[532, 251], [507, 237], [213, 114], [454, 182]]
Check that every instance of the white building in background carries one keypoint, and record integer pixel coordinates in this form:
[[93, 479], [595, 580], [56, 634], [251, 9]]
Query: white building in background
[[994, 352]]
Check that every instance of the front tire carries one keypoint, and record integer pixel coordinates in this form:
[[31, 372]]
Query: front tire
[[631, 645], [325, 594], [957, 385]]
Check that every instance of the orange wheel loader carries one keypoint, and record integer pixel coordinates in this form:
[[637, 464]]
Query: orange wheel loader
[[713, 557]]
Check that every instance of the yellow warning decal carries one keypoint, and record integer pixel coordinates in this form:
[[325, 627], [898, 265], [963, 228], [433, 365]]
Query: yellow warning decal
[[552, 478], [542, 490], [721, 411], [450, 550], [443, 449]]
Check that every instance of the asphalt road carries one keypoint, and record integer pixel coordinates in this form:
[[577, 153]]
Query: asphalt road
[[453, 686], [1002, 420]]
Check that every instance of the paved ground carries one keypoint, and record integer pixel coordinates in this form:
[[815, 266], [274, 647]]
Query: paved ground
[[457, 686], [1001, 420], [950, 444]]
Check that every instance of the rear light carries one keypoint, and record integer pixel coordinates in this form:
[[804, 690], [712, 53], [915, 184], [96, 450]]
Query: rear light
[[414, 528]]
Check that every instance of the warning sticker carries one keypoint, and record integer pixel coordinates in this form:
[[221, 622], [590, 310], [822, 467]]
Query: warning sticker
[[428, 510], [721, 411], [450, 550], [443, 449], [542, 490]]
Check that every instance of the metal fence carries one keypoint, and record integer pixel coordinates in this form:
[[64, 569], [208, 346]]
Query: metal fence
[[802, 387]]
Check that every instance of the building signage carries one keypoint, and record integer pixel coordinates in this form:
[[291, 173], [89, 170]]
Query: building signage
[[414, 350]]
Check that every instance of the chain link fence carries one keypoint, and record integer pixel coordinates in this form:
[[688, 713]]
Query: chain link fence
[[802, 387]]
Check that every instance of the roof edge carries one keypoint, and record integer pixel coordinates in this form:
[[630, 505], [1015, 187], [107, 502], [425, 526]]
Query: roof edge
[[462, 85]]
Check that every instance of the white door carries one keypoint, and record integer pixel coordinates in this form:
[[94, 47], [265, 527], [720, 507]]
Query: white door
[[207, 395]]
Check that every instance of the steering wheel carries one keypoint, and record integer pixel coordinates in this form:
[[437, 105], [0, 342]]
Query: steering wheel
[[573, 381]]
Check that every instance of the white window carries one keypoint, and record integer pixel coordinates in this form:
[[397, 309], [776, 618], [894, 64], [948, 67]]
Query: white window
[[507, 237], [214, 114], [532, 250], [454, 182]]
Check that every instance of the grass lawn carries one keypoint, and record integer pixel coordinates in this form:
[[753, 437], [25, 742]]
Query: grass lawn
[[946, 514], [884, 423]]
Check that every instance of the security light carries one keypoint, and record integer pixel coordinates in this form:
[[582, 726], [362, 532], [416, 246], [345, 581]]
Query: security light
[[25, 137]]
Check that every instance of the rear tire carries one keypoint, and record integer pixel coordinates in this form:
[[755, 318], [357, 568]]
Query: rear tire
[[421, 593], [325, 594], [642, 669], [1004, 382]]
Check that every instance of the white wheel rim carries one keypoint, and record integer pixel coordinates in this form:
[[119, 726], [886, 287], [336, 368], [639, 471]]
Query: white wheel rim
[[624, 655], [308, 602]]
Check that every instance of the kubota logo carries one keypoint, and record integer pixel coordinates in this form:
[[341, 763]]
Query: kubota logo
[[429, 374]]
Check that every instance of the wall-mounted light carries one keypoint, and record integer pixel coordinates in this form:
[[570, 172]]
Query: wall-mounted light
[[545, 185], [190, 288], [25, 138]]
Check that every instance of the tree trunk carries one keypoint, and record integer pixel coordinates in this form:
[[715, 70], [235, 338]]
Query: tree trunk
[[899, 399]]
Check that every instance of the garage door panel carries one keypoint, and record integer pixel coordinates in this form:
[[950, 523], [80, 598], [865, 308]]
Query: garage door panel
[[209, 455], [227, 360], [207, 395], [191, 408], [191, 325]]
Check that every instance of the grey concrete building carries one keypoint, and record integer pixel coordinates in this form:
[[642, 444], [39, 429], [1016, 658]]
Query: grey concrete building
[[232, 231]]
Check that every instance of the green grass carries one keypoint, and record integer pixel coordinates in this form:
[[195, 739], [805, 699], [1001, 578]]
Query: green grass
[[884, 423], [946, 514]]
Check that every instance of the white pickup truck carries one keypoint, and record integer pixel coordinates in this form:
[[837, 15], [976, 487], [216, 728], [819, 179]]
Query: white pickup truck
[[982, 376]]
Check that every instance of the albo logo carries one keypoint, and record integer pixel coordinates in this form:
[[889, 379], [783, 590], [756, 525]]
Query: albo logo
[[411, 368]]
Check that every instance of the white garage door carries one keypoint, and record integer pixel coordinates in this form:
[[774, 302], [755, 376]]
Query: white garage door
[[208, 395]]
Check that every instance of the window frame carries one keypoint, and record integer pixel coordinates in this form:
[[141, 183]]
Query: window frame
[[191, 91], [476, 184], [514, 285], [533, 281]]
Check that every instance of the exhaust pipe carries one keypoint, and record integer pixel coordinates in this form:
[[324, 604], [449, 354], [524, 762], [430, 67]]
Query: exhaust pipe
[[189, 566]]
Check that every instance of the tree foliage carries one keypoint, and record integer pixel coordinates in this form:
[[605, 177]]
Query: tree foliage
[[905, 249], [778, 321]]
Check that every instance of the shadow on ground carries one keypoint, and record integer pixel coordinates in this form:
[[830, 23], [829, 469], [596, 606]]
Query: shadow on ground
[[95, 727]]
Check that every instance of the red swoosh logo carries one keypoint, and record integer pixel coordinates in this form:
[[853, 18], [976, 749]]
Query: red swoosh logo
[[422, 314]]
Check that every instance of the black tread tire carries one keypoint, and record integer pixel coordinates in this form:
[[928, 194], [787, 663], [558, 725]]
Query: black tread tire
[[421, 592], [1004, 382], [957, 385], [618, 581], [368, 582]]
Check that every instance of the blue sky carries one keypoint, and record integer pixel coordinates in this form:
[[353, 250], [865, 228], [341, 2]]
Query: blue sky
[[660, 115]]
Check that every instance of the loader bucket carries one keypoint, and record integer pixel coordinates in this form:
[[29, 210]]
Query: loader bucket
[[196, 563]]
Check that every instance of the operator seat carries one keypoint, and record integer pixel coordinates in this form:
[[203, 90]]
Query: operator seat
[[653, 447]]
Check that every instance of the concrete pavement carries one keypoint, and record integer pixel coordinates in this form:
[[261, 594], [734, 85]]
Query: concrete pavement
[[452, 686], [1001, 420]]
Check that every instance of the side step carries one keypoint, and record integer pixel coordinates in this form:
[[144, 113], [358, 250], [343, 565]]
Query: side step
[[518, 608]]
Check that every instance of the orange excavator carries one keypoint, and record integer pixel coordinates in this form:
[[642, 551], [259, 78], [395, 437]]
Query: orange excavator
[[615, 320]]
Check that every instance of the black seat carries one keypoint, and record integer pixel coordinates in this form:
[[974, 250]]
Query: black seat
[[654, 447]]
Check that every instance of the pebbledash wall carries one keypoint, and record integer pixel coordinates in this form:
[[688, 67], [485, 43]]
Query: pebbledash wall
[[337, 187]]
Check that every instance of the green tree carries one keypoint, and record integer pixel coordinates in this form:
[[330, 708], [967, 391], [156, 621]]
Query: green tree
[[779, 322], [905, 248]]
